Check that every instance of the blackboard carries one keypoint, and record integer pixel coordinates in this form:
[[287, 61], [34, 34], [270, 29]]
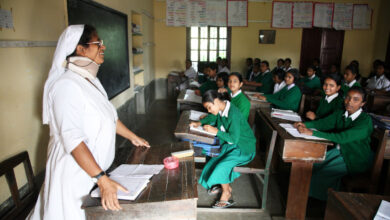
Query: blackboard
[[111, 26]]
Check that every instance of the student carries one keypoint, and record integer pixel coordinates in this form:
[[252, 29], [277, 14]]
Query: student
[[219, 62], [222, 80], [210, 84], [287, 65], [317, 67], [188, 75], [379, 81], [332, 101], [351, 131], [262, 81], [356, 64], [289, 97], [279, 65], [238, 146], [311, 82], [257, 60], [203, 72], [249, 67], [237, 97], [334, 69], [224, 64], [350, 76], [278, 78]]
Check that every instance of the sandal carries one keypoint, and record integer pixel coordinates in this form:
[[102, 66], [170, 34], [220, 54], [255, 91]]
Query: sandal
[[214, 190], [227, 204]]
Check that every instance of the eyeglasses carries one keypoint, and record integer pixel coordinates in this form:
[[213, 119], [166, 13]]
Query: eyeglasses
[[99, 43]]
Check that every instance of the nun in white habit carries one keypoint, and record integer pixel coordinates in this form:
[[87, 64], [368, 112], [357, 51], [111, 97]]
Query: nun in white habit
[[83, 124]]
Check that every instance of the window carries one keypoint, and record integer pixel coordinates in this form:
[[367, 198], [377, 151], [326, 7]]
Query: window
[[205, 44]]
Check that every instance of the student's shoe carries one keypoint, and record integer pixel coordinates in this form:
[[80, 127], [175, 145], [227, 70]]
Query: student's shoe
[[225, 204]]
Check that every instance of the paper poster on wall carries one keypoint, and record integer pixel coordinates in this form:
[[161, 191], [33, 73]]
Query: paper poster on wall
[[282, 14], [216, 12], [362, 15], [342, 16], [6, 19], [303, 15], [237, 13], [176, 13], [323, 15], [196, 13]]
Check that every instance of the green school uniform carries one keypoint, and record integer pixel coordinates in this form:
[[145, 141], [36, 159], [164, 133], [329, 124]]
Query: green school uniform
[[326, 108], [345, 88], [353, 143], [242, 103], [266, 80], [208, 85], [287, 99], [314, 83], [238, 147]]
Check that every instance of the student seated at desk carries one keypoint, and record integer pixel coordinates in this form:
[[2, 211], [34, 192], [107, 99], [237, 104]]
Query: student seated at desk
[[279, 65], [278, 78], [287, 64], [351, 131], [210, 84], [238, 146], [262, 81], [317, 68], [188, 75], [332, 101], [237, 97], [289, 97], [311, 82], [379, 81], [224, 66], [249, 67], [350, 76]]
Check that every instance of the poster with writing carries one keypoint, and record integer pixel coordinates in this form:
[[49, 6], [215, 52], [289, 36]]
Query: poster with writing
[[176, 13], [282, 14], [196, 13], [342, 16], [6, 19], [362, 15], [216, 12], [303, 15], [237, 13], [323, 15]]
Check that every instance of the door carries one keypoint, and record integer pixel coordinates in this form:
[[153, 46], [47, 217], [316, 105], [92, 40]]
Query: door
[[310, 47]]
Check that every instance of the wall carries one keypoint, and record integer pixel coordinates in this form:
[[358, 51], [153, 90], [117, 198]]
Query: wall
[[24, 71], [358, 44]]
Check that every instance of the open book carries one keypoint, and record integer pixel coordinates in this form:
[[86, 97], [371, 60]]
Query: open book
[[252, 97], [286, 115], [201, 130], [195, 115], [192, 97], [383, 211], [295, 133]]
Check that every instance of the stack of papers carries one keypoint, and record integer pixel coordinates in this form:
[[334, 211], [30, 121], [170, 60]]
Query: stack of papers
[[286, 115], [252, 97], [192, 97], [134, 177], [200, 129], [295, 133], [195, 115], [383, 211]]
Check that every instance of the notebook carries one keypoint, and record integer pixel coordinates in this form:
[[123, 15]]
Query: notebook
[[383, 211], [295, 133], [286, 115], [200, 129], [254, 98], [195, 115], [192, 97]]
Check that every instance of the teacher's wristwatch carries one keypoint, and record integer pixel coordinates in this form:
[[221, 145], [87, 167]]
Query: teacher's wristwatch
[[96, 178]]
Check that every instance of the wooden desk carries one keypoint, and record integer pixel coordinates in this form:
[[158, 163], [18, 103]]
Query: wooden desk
[[183, 104], [343, 205], [171, 194], [254, 106], [377, 102], [302, 153], [182, 130]]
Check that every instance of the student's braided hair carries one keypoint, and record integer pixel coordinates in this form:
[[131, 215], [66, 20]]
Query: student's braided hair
[[211, 95]]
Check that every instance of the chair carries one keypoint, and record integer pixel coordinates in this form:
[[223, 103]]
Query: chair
[[265, 135], [19, 207], [369, 181]]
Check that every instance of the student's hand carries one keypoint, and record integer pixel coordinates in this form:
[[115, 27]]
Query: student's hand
[[304, 130], [140, 142], [108, 189], [261, 97], [299, 124], [222, 90], [310, 115], [203, 116], [197, 92], [210, 129], [195, 124]]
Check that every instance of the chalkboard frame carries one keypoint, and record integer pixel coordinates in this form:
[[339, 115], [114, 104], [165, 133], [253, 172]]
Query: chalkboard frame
[[124, 16]]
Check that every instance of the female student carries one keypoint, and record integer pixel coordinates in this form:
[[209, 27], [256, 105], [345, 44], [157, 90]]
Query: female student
[[279, 65], [262, 81], [332, 101], [222, 80], [237, 97], [289, 97], [379, 81], [351, 131], [278, 78], [311, 82], [350, 76], [210, 84], [287, 64], [238, 146]]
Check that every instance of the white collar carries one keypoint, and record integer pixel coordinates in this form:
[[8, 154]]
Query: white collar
[[237, 93], [351, 83], [379, 78], [312, 77], [265, 72], [213, 79], [290, 86], [354, 115], [256, 74], [330, 98], [283, 83], [225, 112]]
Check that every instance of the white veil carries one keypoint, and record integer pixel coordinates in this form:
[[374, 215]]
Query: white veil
[[66, 44]]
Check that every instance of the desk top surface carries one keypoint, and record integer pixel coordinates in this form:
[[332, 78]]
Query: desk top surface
[[183, 130], [168, 185]]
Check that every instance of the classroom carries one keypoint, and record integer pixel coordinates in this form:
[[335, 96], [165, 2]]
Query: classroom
[[195, 109]]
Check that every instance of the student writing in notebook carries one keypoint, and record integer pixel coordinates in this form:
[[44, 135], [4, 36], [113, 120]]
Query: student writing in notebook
[[351, 131], [278, 78], [351, 75], [263, 80], [238, 146], [332, 101], [210, 84], [287, 98]]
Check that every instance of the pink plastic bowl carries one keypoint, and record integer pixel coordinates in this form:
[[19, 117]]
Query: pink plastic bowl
[[171, 163]]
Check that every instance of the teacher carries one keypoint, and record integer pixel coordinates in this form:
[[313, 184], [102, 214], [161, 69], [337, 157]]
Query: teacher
[[83, 125]]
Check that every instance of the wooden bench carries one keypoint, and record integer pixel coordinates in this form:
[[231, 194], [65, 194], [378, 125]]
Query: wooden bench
[[20, 205]]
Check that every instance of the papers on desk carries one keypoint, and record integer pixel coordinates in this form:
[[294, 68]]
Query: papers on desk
[[195, 115], [195, 84], [286, 115], [383, 211], [134, 177], [295, 133], [192, 97], [201, 130], [252, 97]]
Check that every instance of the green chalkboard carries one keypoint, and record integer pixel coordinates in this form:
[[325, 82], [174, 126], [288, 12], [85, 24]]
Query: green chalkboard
[[112, 27]]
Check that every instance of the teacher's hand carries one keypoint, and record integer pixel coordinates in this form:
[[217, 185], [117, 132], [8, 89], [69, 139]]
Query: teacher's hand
[[108, 190], [140, 142]]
